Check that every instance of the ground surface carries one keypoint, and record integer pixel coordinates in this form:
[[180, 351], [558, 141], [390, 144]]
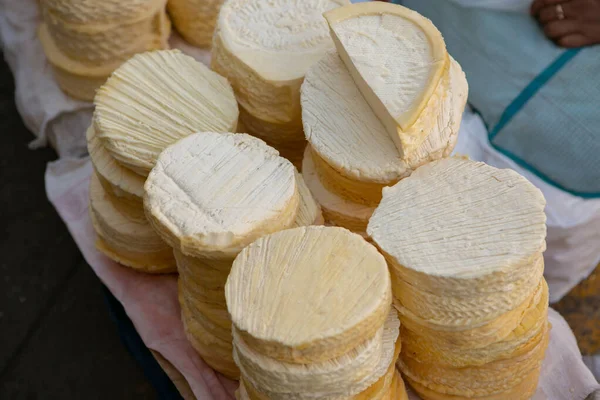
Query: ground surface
[[57, 340]]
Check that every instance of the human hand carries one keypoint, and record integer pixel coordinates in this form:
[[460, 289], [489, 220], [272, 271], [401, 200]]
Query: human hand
[[569, 23]]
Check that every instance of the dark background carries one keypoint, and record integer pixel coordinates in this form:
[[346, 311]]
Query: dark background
[[57, 340]]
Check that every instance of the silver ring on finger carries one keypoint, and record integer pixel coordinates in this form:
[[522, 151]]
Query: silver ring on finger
[[560, 12]]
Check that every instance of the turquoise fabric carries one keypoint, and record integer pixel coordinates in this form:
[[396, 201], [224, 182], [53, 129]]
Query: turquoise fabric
[[540, 102]]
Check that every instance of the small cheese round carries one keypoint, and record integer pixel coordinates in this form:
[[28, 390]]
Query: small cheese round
[[214, 193], [336, 210], [459, 226], [125, 235], [119, 180], [155, 99], [265, 48], [195, 19], [343, 130], [332, 293]]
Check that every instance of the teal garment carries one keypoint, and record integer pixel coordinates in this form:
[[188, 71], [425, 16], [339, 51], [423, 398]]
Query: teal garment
[[541, 103]]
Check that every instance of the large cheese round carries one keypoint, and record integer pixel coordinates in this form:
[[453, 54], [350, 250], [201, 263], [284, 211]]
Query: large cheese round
[[460, 227], [155, 99], [214, 193], [308, 294], [195, 19], [265, 48]]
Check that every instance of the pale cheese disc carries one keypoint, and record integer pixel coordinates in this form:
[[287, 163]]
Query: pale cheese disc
[[462, 221], [125, 235], [157, 98], [308, 294], [122, 181], [216, 193], [265, 47], [341, 377], [343, 130], [336, 210], [396, 57]]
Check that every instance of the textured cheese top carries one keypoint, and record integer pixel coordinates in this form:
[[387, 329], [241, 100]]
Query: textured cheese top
[[219, 192], [84, 11], [155, 99], [308, 292], [395, 56], [279, 39], [124, 182], [458, 218], [341, 127]]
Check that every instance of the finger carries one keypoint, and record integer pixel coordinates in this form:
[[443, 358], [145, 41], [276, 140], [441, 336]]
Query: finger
[[558, 29], [550, 13], [539, 4], [574, 40]]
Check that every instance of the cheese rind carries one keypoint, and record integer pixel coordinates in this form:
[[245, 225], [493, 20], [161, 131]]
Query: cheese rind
[[343, 130], [316, 308], [125, 235], [155, 99], [214, 193], [397, 59]]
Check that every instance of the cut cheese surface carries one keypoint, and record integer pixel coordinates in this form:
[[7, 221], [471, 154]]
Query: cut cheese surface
[[124, 233], [396, 58], [155, 99], [461, 219], [123, 182], [308, 294], [279, 39], [344, 131], [216, 193]]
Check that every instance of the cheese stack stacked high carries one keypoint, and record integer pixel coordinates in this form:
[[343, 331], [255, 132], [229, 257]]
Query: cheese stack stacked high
[[149, 102], [312, 318], [391, 99], [209, 196], [464, 245], [86, 40], [195, 19], [264, 48]]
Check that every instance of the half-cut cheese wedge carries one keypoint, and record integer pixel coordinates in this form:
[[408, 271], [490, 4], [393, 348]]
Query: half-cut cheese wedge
[[397, 59]]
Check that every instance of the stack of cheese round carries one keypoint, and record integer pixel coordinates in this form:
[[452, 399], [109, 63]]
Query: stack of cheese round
[[149, 102], [264, 48], [352, 155], [464, 245], [312, 318], [86, 40], [195, 19], [209, 196]]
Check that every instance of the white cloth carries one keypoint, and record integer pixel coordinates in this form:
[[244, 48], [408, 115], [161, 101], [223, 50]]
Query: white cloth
[[151, 301]]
